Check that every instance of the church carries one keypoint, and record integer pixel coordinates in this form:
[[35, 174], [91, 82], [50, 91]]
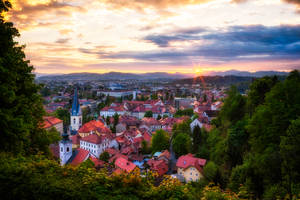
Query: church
[[92, 144]]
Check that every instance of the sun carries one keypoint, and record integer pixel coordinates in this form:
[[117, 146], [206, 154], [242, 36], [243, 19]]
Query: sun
[[198, 71]]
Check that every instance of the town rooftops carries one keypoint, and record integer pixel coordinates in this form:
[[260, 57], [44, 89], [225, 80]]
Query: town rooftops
[[124, 164], [50, 121], [80, 156], [91, 126], [93, 138]]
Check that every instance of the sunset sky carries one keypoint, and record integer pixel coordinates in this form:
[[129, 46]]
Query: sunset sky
[[188, 36]]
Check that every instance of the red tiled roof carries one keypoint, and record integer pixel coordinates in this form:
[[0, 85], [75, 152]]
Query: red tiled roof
[[91, 126], [147, 137], [50, 121], [166, 154], [124, 164], [126, 150], [93, 138], [111, 151], [159, 166], [189, 160], [81, 156], [118, 155], [150, 121], [97, 162]]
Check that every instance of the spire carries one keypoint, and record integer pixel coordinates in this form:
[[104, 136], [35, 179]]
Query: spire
[[76, 106]]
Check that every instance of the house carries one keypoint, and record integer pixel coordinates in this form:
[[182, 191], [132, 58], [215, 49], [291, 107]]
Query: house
[[190, 168], [159, 166], [165, 156], [96, 144], [112, 110], [53, 122], [200, 121], [150, 124], [92, 127], [124, 165]]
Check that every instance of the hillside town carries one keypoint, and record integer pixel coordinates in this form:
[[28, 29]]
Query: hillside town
[[115, 128]]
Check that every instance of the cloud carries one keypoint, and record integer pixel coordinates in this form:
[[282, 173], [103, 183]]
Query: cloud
[[248, 43], [27, 13], [141, 4], [62, 40], [65, 31]]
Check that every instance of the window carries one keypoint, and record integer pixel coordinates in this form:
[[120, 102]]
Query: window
[[61, 149], [74, 121], [196, 174], [79, 120], [68, 149], [191, 173]]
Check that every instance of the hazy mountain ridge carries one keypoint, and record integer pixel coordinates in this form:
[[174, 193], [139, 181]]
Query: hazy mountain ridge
[[115, 76], [151, 76], [246, 73]]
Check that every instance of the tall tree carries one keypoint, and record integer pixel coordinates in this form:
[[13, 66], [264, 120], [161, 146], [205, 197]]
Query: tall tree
[[160, 141], [21, 107], [181, 144]]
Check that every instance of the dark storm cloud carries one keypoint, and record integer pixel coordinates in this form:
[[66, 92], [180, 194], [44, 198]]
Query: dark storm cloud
[[237, 42]]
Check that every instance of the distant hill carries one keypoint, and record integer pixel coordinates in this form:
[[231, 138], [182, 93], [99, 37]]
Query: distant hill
[[155, 75], [246, 73], [115, 76], [216, 80]]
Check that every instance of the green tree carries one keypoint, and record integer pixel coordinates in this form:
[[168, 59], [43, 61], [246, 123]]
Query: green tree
[[183, 127], [197, 140], [160, 141], [116, 119], [181, 144], [145, 147], [148, 113], [64, 115], [45, 91], [210, 171], [21, 107], [158, 117], [104, 156], [290, 151]]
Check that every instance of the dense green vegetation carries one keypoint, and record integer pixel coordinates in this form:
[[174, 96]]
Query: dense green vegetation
[[21, 109], [253, 149], [254, 142]]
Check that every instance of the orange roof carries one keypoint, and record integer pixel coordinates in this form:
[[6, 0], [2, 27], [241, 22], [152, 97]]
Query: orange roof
[[124, 164], [50, 121], [91, 126], [159, 166], [80, 156]]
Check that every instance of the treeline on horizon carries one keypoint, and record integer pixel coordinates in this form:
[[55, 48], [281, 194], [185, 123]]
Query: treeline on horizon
[[253, 150]]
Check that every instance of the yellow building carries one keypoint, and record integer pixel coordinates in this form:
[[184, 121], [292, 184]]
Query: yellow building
[[190, 168]]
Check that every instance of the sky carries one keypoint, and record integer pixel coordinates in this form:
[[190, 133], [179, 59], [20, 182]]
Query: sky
[[138, 36]]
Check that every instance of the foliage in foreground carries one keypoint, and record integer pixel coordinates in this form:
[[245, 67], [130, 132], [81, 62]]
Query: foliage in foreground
[[37, 177]]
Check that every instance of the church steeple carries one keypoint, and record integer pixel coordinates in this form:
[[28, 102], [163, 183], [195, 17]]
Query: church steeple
[[75, 105], [76, 114]]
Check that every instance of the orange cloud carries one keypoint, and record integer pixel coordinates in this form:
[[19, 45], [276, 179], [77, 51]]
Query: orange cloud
[[141, 4], [27, 13]]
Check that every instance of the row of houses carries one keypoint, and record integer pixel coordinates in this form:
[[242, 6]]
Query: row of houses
[[138, 109]]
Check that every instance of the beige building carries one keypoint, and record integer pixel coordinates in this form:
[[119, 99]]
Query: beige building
[[190, 168], [50, 122]]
